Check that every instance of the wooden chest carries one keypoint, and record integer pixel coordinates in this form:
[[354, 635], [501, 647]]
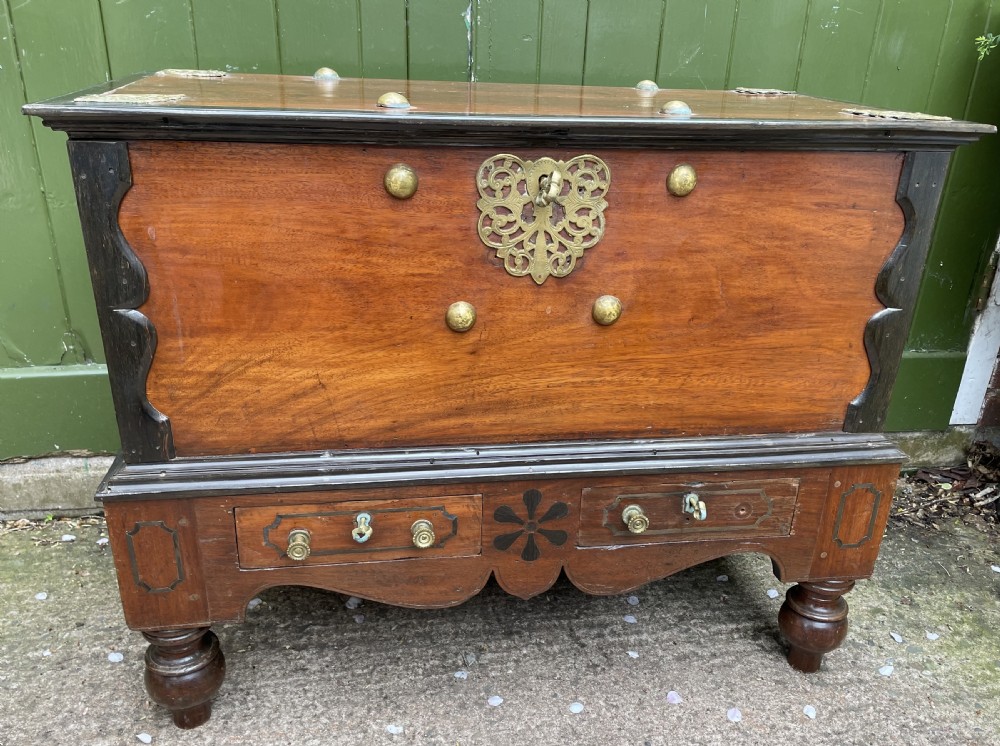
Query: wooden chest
[[393, 338]]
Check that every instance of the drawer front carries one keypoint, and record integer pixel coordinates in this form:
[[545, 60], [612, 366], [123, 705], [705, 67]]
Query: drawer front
[[737, 509], [263, 534], [298, 306]]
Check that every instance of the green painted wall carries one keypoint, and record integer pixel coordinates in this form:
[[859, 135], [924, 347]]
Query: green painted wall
[[903, 54]]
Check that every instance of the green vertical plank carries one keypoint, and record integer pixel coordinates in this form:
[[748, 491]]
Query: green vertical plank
[[766, 43], [623, 41], [925, 389], [956, 65], [32, 315], [440, 39], [506, 39], [383, 38], [63, 50], [837, 47], [695, 44], [905, 54], [238, 37], [563, 41], [148, 35], [319, 33]]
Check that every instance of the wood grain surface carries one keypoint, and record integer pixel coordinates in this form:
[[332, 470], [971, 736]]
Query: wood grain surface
[[298, 306]]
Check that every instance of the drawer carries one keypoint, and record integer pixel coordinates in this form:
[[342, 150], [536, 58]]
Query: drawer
[[326, 530], [736, 509]]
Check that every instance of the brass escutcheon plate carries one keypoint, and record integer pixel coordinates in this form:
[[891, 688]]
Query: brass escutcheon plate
[[541, 215]]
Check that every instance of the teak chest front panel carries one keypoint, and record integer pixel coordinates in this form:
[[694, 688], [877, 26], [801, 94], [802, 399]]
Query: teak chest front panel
[[298, 306]]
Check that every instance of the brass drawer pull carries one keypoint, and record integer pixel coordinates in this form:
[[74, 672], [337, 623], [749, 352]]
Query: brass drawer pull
[[423, 534], [363, 531], [635, 519], [298, 545], [695, 506]]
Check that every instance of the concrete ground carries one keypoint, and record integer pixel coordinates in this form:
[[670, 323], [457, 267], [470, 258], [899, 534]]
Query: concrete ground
[[304, 669]]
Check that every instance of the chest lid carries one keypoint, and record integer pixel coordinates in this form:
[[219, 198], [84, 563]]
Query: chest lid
[[216, 105]]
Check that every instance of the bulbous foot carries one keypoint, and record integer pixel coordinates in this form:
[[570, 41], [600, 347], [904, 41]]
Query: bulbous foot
[[813, 620], [184, 670]]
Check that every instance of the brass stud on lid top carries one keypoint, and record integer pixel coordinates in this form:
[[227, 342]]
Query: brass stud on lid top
[[677, 109], [326, 73], [401, 181], [393, 100]]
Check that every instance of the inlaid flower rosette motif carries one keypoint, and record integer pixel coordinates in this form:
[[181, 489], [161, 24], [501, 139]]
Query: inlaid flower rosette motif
[[541, 215], [530, 526]]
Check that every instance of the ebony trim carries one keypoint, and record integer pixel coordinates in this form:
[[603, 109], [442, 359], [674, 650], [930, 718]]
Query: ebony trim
[[403, 467], [102, 176], [138, 122], [919, 194]]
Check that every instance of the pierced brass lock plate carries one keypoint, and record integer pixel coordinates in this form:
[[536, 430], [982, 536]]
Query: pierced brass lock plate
[[541, 215]]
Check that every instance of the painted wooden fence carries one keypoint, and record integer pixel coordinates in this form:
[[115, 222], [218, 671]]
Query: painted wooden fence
[[903, 54]]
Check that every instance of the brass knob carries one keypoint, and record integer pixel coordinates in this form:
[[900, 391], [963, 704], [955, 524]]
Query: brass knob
[[393, 100], [549, 188], [635, 519], [647, 85], [423, 534], [677, 109], [298, 545], [326, 73], [363, 530], [460, 316], [695, 506], [682, 180], [607, 310], [400, 181]]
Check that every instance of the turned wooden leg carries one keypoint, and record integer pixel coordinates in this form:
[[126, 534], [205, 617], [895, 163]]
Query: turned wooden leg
[[813, 620], [184, 670]]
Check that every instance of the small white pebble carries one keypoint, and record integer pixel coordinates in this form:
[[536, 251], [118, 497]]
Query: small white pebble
[[896, 636], [68, 537], [144, 737], [495, 701], [46, 653], [359, 618], [253, 603], [41, 596], [674, 698], [886, 670], [733, 715], [353, 602], [722, 579], [576, 708], [809, 711], [629, 619], [633, 654], [995, 568], [116, 657], [461, 675], [932, 636], [772, 593], [394, 730], [633, 600], [103, 542]]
